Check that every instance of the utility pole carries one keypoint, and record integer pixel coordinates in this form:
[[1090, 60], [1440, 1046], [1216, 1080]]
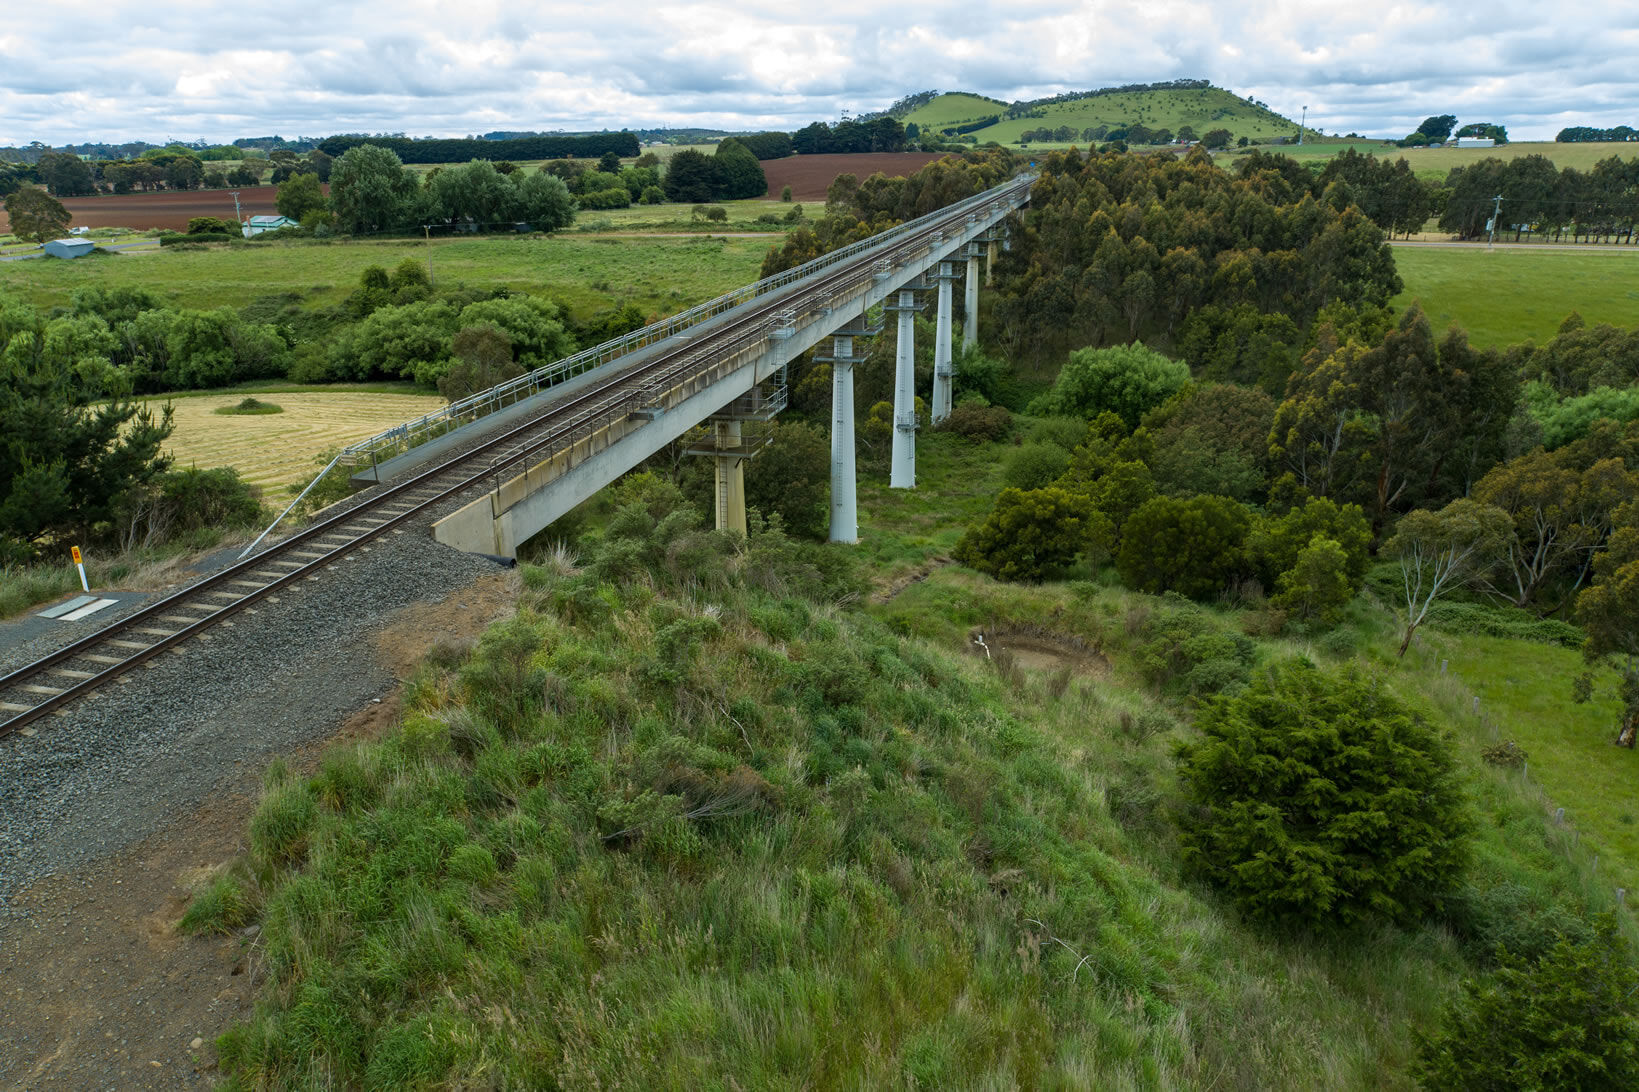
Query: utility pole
[[1496, 212], [1302, 123], [237, 215]]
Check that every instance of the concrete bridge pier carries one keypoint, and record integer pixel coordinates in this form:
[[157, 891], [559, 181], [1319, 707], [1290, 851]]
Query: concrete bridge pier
[[731, 476], [942, 369], [970, 321], [990, 262], [903, 474], [844, 504]]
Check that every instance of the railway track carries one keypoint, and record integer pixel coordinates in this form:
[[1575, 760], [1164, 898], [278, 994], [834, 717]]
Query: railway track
[[57, 680]]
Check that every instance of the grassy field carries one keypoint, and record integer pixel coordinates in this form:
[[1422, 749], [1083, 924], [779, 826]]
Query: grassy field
[[584, 272], [276, 450], [1504, 296]]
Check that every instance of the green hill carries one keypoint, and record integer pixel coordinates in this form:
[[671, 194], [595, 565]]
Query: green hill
[[1202, 108]]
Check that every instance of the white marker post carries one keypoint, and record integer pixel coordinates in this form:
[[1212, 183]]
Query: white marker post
[[79, 563]]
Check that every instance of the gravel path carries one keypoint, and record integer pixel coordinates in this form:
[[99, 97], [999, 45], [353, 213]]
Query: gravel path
[[157, 741]]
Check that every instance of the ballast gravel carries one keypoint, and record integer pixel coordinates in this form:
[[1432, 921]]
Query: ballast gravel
[[156, 742]]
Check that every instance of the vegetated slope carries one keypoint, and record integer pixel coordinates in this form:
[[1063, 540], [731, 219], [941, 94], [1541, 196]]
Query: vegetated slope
[[1203, 109], [687, 819], [953, 108]]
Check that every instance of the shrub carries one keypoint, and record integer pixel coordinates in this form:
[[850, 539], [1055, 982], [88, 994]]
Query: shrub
[[1031, 533], [1191, 546], [1035, 466], [222, 907], [785, 193], [1183, 654], [1317, 585], [1319, 798], [1568, 1019], [977, 423], [615, 197], [1273, 544], [1127, 380], [652, 195]]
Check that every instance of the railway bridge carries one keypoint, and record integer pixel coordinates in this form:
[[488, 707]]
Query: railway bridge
[[720, 368]]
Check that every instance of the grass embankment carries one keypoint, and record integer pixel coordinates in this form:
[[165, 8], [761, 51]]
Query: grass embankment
[[583, 272], [1506, 296], [692, 817]]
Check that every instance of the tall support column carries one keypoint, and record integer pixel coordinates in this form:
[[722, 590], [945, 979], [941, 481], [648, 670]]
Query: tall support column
[[903, 475], [990, 263], [731, 478], [970, 321], [844, 508], [941, 348]]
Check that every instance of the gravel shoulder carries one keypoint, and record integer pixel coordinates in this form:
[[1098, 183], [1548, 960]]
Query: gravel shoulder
[[111, 814]]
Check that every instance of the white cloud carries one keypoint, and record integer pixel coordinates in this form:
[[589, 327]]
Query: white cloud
[[76, 71]]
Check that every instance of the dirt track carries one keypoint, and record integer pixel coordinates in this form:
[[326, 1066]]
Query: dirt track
[[809, 176]]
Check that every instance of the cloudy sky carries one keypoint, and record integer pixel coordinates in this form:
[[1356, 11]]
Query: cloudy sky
[[186, 69]]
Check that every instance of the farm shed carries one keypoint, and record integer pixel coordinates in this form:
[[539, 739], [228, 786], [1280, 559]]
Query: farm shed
[[258, 224], [70, 248], [1474, 142]]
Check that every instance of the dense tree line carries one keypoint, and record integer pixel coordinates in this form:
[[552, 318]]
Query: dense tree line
[[1117, 247], [882, 134], [1596, 204], [1572, 134], [458, 150]]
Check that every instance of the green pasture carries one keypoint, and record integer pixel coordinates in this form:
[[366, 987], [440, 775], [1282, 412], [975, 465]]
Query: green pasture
[[584, 272], [742, 216], [1504, 296]]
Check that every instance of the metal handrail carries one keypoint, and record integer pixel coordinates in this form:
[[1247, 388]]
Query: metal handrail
[[407, 435]]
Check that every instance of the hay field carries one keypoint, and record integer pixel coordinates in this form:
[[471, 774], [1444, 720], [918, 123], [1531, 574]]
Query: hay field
[[275, 450]]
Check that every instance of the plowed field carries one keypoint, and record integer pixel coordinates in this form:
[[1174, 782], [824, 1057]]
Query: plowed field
[[167, 209], [809, 176]]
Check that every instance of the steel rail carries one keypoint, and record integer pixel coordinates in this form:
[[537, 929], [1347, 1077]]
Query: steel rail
[[532, 437]]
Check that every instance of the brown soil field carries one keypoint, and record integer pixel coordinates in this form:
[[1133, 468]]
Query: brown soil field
[[166, 209], [809, 176]]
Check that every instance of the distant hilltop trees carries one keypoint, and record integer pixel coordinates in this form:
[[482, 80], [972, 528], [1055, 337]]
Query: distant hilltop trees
[[1582, 134], [464, 150], [1023, 108]]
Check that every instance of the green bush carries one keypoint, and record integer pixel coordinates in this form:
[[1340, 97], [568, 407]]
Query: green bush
[[1568, 1019], [1031, 534], [1501, 620], [615, 197], [980, 424], [1317, 585], [1127, 380], [1035, 466], [1192, 546], [1321, 799], [1183, 653]]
